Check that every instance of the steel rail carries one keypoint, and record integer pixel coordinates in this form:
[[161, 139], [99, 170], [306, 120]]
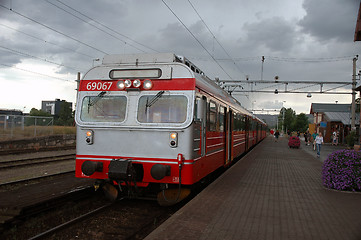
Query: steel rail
[[35, 161], [35, 178], [73, 221]]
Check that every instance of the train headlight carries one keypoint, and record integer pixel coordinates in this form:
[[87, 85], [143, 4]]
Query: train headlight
[[173, 139], [147, 84], [127, 83], [136, 83], [120, 85], [89, 138]]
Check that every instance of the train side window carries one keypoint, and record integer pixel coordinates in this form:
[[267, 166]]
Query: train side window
[[237, 122], [243, 122], [221, 118], [197, 109], [234, 122], [212, 116]]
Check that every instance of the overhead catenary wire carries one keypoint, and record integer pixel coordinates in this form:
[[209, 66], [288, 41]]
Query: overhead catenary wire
[[293, 59], [38, 58], [215, 38], [199, 42], [37, 73], [102, 30], [110, 29], [46, 41], [52, 29]]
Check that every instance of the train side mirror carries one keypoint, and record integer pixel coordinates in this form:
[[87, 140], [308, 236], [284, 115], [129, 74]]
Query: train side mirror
[[200, 109]]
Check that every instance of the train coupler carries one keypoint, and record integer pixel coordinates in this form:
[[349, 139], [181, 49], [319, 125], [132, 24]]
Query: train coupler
[[97, 184]]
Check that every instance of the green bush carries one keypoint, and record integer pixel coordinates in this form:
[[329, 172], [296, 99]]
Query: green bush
[[351, 138]]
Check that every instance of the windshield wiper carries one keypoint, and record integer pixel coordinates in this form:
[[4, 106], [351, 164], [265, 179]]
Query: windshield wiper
[[154, 99], [96, 99]]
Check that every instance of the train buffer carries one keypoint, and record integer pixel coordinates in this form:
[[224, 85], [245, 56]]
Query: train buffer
[[274, 192]]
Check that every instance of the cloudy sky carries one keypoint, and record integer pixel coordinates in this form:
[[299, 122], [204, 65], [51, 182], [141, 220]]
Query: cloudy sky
[[44, 43]]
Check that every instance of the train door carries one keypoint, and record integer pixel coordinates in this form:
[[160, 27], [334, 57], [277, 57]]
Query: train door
[[228, 129]]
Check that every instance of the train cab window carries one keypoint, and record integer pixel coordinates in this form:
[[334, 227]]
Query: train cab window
[[164, 109], [103, 109]]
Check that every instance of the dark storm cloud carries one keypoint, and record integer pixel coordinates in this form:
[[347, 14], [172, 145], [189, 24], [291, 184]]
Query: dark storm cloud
[[275, 34], [175, 38], [44, 31], [330, 19]]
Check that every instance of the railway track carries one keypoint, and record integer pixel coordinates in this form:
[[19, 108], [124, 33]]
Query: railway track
[[28, 180], [17, 170], [77, 215], [129, 220], [34, 150], [25, 162]]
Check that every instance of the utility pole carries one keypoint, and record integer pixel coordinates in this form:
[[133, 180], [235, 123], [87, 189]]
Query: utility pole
[[353, 104], [262, 68]]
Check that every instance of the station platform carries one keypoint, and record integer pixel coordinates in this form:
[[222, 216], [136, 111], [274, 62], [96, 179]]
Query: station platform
[[273, 192]]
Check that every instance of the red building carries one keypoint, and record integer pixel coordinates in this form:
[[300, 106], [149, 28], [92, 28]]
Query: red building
[[329, 117]]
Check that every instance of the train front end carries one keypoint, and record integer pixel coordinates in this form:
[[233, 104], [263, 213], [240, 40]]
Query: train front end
[[134, 117]]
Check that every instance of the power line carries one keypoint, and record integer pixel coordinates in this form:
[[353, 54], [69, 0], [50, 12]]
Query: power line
[[46, 41], [214, 37], [32, 56], [312, 60], [103, 25], [25, 70], [94, 26], [293, 59], [52, 29], [195, 38]]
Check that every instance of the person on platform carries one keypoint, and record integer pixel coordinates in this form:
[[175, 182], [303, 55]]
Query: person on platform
[[306, 138], [334, 138], [314, 135], [277, 134], [319, 141]]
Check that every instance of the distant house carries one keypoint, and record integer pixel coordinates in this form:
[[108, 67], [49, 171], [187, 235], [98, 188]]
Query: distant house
[[53, 107], [329, 117], [10, 112]]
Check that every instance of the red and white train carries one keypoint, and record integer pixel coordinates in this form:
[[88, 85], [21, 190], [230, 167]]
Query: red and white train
[[156, 122]]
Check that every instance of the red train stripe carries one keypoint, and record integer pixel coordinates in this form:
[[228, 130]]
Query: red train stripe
[[158, 84]]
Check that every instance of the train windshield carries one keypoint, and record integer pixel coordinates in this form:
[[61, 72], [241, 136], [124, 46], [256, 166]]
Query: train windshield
[[162, 108], [103, 109]]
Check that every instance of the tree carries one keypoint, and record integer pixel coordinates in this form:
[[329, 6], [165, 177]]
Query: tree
[[300, 123], [39, 118], [289, 115], [66, 117], [292, 121], [39, 113]]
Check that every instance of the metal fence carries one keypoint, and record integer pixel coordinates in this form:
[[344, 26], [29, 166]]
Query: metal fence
[[18, 126]]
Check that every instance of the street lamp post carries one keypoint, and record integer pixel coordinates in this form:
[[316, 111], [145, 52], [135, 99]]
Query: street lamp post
[[283, 116]]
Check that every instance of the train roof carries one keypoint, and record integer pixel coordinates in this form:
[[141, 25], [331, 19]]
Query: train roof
[[202, 81], [140, 58]]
